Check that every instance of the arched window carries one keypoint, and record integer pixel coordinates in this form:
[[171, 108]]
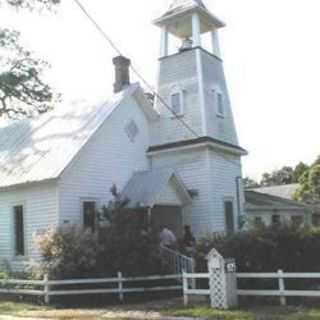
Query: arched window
[[219, 102], [177, 100]]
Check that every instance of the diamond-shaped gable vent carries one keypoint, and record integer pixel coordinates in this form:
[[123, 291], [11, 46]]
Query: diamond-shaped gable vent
[[132, 130]]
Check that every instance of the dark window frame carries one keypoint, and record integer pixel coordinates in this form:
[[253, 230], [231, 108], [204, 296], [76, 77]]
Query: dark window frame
[[276, 219], [89, 218], [230, 223], [19, 230]]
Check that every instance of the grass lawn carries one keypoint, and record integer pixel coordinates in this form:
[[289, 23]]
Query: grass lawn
[[269, 313], [154, 311]]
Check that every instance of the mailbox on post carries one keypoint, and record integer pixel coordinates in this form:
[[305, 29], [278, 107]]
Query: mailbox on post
[[223, 281]]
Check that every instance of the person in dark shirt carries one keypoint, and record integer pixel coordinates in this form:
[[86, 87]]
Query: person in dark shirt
[[189, 241]]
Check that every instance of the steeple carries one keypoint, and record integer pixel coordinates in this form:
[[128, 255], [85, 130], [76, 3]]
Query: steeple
[[188, 19], [192, 80]]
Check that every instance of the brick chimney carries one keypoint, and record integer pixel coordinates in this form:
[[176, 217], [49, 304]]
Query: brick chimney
[[122, 65]]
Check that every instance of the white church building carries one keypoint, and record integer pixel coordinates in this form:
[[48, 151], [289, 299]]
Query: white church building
[[179, 158]]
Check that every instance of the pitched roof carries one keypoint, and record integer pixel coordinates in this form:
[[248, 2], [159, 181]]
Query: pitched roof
[[178, 5], [256, 200], [145, 188], [40, 150], [284, 191]]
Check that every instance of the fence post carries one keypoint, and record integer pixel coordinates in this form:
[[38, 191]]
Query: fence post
[[283, 300], [185, 288], [46, 289], [120, 286]]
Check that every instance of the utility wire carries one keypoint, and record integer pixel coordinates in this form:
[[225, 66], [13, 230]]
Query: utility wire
[[133, 68], [138, 74]]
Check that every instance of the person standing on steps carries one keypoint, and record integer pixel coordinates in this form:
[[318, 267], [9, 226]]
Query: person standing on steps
[[167, 238], [189, 240]]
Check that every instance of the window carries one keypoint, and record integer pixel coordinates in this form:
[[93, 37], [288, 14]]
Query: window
[[19, 230], [219, 102], [229, 217], [89, 215], [316, 220], [177, 100], [297, 221], [276, 220], [132, 130], [258, 221]]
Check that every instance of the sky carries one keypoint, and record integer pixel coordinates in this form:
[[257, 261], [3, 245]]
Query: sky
[[271, 53]]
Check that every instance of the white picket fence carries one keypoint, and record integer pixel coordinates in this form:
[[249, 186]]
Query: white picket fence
[[281, 292], [48, 288]]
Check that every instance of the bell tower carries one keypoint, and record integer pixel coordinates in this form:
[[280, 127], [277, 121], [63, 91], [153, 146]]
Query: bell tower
[[195, 133], [191, 80]]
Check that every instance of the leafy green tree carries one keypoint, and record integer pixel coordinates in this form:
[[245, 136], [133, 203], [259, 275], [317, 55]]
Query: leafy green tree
[[250, 183], [278, 177], [23, 91], [299, 170], [309, 190]]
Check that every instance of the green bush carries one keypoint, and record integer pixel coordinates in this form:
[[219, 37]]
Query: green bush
[[267, 249], [66, 252], [123, 242]]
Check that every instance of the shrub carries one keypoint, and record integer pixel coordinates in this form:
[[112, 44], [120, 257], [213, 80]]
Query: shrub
[[125, 243], [267, 249], [66, 253]]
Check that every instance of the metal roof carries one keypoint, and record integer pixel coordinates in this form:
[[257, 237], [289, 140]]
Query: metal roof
[[146, 187], [260, 200], [38, 150], [184, 4], [284, 191]]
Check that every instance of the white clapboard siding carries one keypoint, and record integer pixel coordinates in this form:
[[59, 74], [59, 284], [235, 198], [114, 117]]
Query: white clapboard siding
[[193, 168], [40, 212], [108, 158], [178, 70], [214, 79], [224, 171]]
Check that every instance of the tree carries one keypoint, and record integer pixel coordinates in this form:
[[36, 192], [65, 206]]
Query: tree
[[299, 170], [309, 190], [30, 4], [23, 91], [278, 177], [250, 183]]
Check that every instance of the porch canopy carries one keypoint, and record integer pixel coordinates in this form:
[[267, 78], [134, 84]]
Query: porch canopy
[[157, 187]]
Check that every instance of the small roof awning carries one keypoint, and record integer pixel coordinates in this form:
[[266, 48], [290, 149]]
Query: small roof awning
[[156, 187]]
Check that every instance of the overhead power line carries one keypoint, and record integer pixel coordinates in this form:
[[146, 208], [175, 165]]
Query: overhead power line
[[133, 68]]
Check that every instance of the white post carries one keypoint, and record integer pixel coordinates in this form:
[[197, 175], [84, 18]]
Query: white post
[[196, 30], [164, 50], [215, 43], [185, 288], [283, 300], [46, 289], [120, 286]]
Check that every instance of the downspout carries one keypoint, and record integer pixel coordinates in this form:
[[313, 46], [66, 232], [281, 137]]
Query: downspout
[[238, 180]]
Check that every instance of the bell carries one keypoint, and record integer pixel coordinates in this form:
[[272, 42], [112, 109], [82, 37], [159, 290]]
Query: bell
[[186, 44]]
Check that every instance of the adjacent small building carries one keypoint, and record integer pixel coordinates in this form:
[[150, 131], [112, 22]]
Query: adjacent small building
[[266, 209]]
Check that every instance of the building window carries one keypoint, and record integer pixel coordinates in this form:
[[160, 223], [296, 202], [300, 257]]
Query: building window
[[132, 130], [19, 230], [258, 221], [276, 220], [316, 220], [219, 102], [176, 101], [229, 217], [89, 215], [297, 221]]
